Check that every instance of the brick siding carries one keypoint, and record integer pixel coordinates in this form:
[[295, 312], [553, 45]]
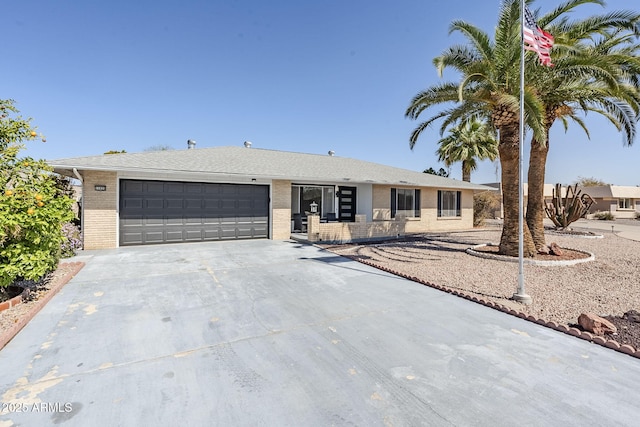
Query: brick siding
[[281, 210], [100, 226], [385, 227]]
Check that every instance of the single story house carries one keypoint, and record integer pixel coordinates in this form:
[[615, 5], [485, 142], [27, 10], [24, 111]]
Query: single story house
[[620, 200], [221, 193]]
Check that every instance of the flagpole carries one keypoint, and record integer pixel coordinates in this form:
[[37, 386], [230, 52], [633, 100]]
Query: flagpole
[[521, 295]]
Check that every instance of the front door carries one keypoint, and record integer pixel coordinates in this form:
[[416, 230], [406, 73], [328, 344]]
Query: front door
[[347, 204]]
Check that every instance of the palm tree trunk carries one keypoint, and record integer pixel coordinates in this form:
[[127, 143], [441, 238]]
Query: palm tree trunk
[[535, 193], [509, 155], [466, 171]]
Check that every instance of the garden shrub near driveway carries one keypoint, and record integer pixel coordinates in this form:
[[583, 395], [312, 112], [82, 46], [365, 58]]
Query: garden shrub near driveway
[[33, 206]]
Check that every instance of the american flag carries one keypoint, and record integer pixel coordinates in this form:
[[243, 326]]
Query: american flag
[[536, 39]]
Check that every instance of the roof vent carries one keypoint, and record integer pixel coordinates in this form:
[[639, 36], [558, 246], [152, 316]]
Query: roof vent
[[247, 144], [331, 153], [191, 144]]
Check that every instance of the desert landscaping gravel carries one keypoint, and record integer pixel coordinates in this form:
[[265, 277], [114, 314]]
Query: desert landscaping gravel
[[608, 285]]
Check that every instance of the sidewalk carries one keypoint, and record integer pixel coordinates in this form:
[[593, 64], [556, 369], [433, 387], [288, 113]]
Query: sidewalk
[[627, 228]]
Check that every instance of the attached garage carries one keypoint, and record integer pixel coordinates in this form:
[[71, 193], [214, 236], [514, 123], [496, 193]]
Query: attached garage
[[170, 212]]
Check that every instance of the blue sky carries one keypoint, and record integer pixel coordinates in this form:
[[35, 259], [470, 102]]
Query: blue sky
[[307, 76]]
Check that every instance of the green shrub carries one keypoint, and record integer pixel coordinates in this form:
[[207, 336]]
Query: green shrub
[[32, 212], [484, 206], [604, 216], [33, 206]]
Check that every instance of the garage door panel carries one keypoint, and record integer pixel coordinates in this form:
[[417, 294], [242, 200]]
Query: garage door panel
[[228, 204], [153, 203], [150, 236], [132, 220], [211, 189], [191, 203], [228, 233], [174, 236], [193, 188], [174, 203], [133, 186], [193, 235], [174, 221], [133, 238], [245, 205], [209, 220], [164, 212], [228, 189], [225, 221], [174, 187], [211, 233], [211, 204], [132, 203], [151, 187], [153, 220]]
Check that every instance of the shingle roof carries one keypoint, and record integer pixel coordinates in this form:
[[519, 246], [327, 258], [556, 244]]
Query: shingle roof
[[612, 191], [259, 163]]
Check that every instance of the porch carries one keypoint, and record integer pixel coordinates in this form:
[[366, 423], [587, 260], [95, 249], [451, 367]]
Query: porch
[[318, 230]]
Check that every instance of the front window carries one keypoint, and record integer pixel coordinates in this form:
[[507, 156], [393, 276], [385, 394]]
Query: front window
[[405, 202], [625, 203], [302, 196], [308, 196], [449, 203]]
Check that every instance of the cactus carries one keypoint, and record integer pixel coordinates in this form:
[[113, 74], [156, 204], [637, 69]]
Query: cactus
[[565, 211]]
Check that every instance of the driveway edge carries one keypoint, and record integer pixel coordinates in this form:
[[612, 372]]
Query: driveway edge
[[9, 334]]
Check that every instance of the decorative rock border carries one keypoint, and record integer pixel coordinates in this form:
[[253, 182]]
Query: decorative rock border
[[8, 335], [575, 332], [472, 251], [11, 303], [579, 236]]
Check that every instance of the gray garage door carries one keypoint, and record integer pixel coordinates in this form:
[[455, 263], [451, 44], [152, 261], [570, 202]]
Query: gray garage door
[[167, 212]]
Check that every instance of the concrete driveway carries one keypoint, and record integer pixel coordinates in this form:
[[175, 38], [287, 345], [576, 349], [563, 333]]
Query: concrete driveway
[[267, 333]]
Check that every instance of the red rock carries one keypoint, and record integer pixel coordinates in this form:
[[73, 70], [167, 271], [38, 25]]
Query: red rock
[[554, 249], [596, 324]]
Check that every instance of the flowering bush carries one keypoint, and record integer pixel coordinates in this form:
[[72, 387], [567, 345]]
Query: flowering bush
[[33, 206], [72, 240]]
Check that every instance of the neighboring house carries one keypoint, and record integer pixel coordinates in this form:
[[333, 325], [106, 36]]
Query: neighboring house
[[225, 193], [621, 201]]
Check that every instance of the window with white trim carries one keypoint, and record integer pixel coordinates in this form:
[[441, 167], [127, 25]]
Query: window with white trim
[[449, 204], [405, 202], [625, 204]]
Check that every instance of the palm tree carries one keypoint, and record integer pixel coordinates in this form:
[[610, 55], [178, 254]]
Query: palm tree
[[599, 76], [468, 142], [489, 89]]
